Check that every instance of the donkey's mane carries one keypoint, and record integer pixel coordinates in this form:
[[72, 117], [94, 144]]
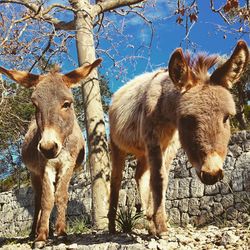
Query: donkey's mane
[[55, 69], [201, 63]]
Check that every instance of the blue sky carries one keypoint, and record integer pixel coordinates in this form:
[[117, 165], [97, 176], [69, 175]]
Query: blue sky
[[168, 35]]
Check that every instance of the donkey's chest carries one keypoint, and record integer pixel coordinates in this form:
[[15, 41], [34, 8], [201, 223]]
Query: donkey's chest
[[59, 165], [62, 162]]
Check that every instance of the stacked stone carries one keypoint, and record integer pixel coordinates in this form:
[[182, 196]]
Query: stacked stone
[[16, 209], [187, 199]]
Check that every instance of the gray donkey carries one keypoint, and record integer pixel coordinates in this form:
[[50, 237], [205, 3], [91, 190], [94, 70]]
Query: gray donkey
[[53, 145], [149, 113]]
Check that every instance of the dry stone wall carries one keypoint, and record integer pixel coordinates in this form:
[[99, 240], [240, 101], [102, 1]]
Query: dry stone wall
[[187, 199]]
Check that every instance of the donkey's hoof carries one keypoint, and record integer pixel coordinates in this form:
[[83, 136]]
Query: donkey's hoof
[[163, 235], [39, 244], [151, 228], [61, 233]]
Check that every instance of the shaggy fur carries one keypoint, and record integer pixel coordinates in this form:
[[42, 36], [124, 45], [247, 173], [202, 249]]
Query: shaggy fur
[[149, 113]]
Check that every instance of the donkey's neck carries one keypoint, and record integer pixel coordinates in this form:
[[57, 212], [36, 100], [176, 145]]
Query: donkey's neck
[[169, 103]]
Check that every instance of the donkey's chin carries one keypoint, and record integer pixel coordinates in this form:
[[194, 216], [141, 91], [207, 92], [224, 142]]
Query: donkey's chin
[[210, 178]]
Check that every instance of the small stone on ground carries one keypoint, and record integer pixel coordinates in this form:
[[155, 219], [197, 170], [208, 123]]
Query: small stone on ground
[[209, 237]]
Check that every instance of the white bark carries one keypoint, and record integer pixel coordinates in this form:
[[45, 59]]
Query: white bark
[[104, 6], [97, 143]]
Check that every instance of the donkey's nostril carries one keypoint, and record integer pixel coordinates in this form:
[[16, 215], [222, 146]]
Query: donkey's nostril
[[49, 150], [210, 179]]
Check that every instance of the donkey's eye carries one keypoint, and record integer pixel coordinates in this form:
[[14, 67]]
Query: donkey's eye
[[66, 105], [225, 118]]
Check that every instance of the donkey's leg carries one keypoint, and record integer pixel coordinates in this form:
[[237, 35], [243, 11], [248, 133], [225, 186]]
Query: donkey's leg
[[168, 156], [37, 188], [158, 184], [142, 177], [47, 203], [118, 158], [61, 200]]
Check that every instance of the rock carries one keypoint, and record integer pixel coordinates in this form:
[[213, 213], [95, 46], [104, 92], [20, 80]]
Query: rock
[[72, 247], [184, 240], [239, 137], [232, 213], [184, 219], [183, 205], [243, 160], [194, 207], [217, 209], [237, 180], [236, 150], [172, 245], [206, 202], [174, 215], [172, 192], [227, 201], [152, 244], [197, 188], [184, 187], [212, 189], [229, 238]]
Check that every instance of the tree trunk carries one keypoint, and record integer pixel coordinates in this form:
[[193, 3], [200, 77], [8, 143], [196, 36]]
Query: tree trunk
[[98, 154], [240, 116]]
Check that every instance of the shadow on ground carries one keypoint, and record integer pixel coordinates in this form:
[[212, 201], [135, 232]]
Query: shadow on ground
[[86, 239]]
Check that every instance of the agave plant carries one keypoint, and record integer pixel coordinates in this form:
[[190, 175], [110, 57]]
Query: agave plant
[[127, 219]]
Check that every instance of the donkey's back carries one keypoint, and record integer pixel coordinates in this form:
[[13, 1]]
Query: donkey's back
[[132, 105]]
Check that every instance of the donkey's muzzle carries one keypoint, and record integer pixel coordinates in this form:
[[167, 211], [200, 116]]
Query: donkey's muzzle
[[211, 178], [49, 151]]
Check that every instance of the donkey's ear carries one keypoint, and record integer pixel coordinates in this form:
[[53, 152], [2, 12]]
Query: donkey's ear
[[78, 74], [24, 78], [179, 71], [230, 72]]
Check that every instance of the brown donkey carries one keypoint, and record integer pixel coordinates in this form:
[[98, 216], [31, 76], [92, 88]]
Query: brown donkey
[[53, 145], [149, 113]]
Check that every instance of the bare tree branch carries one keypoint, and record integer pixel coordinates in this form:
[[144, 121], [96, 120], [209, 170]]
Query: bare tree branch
[[25, 3], [42, 14], [219, 10], [142, 16], [101, 7], [60, 6], [43, 52], [11, 28]]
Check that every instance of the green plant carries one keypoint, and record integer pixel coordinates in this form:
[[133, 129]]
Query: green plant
[[127, 219], [79, 225]]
